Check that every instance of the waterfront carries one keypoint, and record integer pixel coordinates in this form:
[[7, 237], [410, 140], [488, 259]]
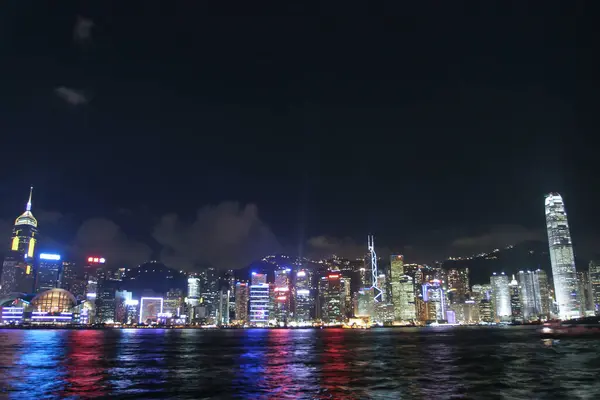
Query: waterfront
[[443, 362]]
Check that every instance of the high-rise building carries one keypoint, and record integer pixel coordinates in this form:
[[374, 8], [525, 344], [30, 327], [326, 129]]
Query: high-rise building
[[259, 300], [122, 298], [93, 276], [13, 268], [501, 297], [241, 302], [402, 288], [282, 295], [586, 297], [48, 272], [458, 284], [364, 303], [106, 304], [332, 298], [535, 299], [173, 305], [193, 290], [72, 279], [594, 272], [19, 264], [566, 287], [25, 232], [150, 309], [434, 297], [223, 310], [515, 300], [304, 296]]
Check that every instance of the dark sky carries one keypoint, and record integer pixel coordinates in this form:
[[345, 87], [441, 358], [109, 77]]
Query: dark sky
[[438, 126]]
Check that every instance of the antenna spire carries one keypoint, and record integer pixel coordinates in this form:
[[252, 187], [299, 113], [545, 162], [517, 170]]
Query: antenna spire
[[28, 208]]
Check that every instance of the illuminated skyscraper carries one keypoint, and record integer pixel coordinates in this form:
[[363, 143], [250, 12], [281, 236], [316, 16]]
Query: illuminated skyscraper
[[586, 297], [25, 232], [434, 297], [193, 290], [515, 300], [48, 272], [282, 295], [304, 296], [18, 266], [566, 287], [332, 298], [259, 300], [458, 284], [501, 297], [241, 302], [594, 272], [535, 299]]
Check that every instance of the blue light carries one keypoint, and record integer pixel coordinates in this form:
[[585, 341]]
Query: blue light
[[48, 256]]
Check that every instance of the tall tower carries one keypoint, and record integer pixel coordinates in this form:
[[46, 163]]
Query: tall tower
[[377, 291], [566, 287], [17, 268], [25, 232]]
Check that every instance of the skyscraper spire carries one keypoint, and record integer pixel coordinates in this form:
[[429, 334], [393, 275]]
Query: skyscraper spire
[[28, 208]]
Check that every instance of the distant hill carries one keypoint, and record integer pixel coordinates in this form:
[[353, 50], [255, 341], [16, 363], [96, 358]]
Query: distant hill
[[510, 260]]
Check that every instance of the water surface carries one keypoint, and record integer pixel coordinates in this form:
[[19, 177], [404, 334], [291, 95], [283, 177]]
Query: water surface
[[432, 363]]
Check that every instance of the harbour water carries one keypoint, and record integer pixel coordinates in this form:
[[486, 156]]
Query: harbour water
[[383, 363]]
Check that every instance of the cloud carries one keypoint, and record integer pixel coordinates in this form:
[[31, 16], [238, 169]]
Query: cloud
[[225, 236], [71, 96], [326, 246], [497, 236], [105, 238], [82, 31]]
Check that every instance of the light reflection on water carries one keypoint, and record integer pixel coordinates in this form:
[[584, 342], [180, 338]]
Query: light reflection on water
[[509, 363]]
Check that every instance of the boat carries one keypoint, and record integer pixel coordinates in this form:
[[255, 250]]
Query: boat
[[580, 327]]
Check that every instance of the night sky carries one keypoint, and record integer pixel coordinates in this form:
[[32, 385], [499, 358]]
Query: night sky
[[181, 132]]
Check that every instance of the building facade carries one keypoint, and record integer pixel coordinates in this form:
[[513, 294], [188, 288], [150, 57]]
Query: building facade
[[564, 274], [501, 297]]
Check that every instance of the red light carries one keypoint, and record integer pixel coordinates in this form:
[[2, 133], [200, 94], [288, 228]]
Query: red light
[[334, 276], [96, 259], [90, 259], [282, 289]]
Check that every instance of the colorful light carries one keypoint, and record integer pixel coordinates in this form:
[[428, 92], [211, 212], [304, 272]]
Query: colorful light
[[48, 256], [336, 276]]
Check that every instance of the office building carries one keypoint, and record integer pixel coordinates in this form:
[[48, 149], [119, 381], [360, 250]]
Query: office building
[[304, 299], [501, 297], [458, 284], [594, 272], [223, 307], [535, 299], [434, 297], [242, 294], [332, 298], [25, 232], [281, 302], [150, 310], [564, 274], [48, 272], [259, 300], [586, 297], [515, 300]]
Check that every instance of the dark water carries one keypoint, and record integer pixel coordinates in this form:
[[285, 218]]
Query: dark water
[[436, 363]]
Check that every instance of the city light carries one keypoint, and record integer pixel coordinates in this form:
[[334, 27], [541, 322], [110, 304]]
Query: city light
[[335, 276], [301, 274], [132, 302], [97, 260], [303, 292], [48, 256]]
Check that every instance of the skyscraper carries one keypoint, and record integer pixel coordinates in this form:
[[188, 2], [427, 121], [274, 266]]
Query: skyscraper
[[25, 232], [18, 265], [48, 272], [566, 287], [458, 284], [403, 294], [535, 298], [515, 300], [259, 300], [594, 272], [501, 297], [281, 293], [241, 302], [434, 298], [304, 296], [332, 298]]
